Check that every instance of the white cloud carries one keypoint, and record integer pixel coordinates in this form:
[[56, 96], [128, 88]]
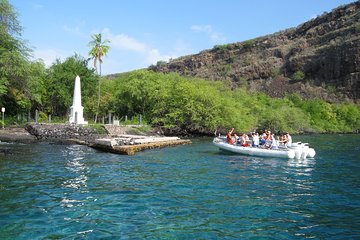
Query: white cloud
[[124, 42], [49, 55], [213, 35], [38, 7], [74, 30], [201, 28], [153, 55]]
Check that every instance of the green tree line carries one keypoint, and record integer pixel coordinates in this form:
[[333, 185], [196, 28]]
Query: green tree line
[[202, 106]]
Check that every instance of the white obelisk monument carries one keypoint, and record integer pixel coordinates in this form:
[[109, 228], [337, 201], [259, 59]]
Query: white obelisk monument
[[76, 115]]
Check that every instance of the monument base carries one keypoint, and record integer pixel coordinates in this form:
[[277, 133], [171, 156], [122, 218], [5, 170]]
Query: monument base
[[76, 115]]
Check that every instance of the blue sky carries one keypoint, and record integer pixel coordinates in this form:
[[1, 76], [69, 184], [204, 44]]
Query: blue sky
[[143, 32]]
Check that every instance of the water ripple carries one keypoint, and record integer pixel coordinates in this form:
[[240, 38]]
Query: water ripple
[[185, 192]]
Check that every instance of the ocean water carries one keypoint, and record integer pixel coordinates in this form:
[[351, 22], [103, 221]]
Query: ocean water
[[196, 191]]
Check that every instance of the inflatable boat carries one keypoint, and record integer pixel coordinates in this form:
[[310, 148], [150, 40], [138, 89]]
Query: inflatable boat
[[297, 150]]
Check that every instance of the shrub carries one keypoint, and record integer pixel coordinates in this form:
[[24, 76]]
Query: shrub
[[223, 47], [227, 68], [43, 117], [276, 72], [357, 28], [298, 75], [160, 63], [248, 44], [242, 82]]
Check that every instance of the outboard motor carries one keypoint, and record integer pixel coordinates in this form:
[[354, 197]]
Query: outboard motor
[[305, 149]]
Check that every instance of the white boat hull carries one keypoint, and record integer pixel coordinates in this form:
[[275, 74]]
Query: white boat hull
[[297, 151]]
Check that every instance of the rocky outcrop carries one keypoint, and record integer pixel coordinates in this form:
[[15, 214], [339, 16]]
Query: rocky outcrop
[[325, 50], [16, 134]]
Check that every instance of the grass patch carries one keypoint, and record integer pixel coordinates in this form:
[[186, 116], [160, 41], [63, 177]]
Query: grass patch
[[99, 128], [140, 130]]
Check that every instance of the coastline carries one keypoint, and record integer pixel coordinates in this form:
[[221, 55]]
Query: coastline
[[115, 139]]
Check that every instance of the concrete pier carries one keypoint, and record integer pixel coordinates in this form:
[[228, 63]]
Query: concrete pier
[[130, 144]]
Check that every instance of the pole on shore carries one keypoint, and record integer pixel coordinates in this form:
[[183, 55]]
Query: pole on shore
[[36, 116], [3, 117]]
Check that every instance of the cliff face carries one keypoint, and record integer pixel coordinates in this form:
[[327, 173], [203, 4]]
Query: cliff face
[[319, 58]]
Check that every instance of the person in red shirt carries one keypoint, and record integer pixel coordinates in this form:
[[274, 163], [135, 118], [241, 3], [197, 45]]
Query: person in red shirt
[[229, 139]]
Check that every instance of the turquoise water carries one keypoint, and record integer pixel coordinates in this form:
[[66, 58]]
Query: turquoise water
[[194, 191]]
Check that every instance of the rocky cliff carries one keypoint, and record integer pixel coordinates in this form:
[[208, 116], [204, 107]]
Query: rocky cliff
[[319, 58]]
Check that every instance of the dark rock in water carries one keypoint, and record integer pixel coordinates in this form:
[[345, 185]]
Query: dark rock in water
[[5, 151]]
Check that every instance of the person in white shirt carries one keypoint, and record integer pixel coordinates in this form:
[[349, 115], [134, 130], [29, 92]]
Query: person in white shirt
[[274, 143], [289, 139], [255, 139]]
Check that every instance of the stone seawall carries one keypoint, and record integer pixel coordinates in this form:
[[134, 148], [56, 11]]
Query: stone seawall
[[61, 131], [115, 130]]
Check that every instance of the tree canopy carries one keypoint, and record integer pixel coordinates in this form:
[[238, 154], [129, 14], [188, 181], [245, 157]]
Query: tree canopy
[[202, 106], [14, 66]]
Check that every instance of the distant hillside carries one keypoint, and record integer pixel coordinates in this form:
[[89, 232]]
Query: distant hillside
[[319, 58]]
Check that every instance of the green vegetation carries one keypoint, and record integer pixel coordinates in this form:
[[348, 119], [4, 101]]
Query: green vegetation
[[167, 100], [170, 100], [248, 43], [160, 63], [357, 27], [242, 82], [99, 128], [226, 69], [139, 130], [276, 72], [298, 76], [223, 47], [59, 87]]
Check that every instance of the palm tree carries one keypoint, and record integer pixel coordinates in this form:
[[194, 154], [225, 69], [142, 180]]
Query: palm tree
[[98, 50]]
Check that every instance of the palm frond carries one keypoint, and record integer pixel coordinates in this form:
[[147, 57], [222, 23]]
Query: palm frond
[[98, 48]]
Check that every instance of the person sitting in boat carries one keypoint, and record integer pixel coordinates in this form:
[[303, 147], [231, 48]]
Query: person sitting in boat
[[255, 139], [229, 138], [275, 143], [289, 140], [268, 140], [237, 139], [282, 141], [244, 140], [269, 136], [263, 139]]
